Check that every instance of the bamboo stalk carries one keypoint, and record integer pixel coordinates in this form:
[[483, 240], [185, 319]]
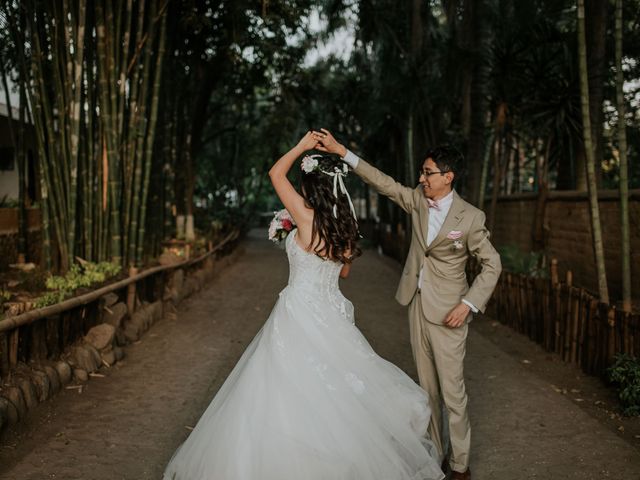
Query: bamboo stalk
[[14, 341], [575, 324], [554, 271], [582, 331], [131, 153], [150, 140], [43, 114], [4, 354], [611, 336], [75, 108], [592, 335], [145, 131], [624, 169], [596, 228], [131, 292], [109, 134]]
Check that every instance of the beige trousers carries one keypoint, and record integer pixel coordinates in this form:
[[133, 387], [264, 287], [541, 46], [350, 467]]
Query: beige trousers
[[439, 354]]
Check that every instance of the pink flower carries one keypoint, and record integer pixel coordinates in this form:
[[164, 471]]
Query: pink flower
[[287, 225], [454, 234]]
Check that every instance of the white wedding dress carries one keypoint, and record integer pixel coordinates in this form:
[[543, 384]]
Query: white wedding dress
[[310, 399]]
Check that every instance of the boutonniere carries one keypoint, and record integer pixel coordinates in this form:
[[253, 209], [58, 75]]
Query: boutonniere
[[457, 245]]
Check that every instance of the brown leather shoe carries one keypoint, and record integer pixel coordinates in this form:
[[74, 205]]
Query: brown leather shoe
[[461, 475]]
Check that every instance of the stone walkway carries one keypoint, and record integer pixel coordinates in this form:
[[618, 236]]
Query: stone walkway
[[127, 424]]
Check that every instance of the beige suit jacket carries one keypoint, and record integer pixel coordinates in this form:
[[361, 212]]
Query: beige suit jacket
[[444, 283]]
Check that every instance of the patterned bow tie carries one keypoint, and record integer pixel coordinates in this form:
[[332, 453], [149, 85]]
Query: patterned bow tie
[[433, 204]]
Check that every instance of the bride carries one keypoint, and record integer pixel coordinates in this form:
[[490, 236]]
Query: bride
[[309, 398]]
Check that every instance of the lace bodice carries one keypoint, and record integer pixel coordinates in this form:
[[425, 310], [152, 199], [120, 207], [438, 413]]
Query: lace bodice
[[315, 277]]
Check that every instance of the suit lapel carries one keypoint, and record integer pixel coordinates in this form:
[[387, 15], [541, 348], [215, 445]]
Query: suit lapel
[[453, 218], [423, 213]]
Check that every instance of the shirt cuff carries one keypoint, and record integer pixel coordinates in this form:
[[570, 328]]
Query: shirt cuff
[[351, 159], [470, 305]]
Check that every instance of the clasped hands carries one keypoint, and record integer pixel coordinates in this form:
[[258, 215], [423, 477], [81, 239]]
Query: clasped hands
[[322, 141]]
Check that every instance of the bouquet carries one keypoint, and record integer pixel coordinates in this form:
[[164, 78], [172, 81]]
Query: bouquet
[[280, 226]]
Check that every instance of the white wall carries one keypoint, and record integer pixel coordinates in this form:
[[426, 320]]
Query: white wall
[[14, 97]]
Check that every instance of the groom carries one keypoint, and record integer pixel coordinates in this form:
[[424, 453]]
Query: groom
[[446, 231]]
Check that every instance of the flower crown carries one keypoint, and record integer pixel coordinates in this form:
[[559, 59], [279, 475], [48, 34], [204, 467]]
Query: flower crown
[[310, 164]]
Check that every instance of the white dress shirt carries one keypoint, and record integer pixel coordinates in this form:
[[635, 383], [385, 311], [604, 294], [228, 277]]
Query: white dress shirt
[[436, 218]]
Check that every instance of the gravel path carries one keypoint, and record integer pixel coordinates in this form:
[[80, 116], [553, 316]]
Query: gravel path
[[127, 424]]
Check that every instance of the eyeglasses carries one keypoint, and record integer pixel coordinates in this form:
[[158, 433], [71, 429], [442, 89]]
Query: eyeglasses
[[427, 173]]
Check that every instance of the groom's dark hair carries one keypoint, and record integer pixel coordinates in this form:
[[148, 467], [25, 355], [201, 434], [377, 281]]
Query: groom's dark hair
[[448, 159]]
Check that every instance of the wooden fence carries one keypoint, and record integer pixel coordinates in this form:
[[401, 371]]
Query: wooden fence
[[566, 320], [44, 333]]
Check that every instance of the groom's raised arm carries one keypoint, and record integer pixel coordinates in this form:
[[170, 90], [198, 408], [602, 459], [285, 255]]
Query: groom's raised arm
[[407, 198]]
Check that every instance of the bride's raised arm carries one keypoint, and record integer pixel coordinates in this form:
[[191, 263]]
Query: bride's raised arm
[[290, 198]]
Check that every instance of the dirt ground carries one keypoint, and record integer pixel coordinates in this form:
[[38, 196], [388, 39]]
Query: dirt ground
[[532, 416]]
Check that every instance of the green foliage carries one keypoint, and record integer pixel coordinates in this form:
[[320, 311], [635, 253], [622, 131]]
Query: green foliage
[[6, 202], [81, 275], [515, 260], [5, 296], [625, 375]]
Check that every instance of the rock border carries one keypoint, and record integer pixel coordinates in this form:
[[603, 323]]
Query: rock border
[[104, 344]]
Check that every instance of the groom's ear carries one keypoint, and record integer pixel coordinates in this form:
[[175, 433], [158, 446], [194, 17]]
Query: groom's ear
[[449, 176]]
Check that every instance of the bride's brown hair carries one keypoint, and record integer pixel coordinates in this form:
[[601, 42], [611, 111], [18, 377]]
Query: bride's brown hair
[[332, 236]]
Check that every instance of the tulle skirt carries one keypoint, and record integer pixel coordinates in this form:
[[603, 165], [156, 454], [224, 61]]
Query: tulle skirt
[[310, 400]]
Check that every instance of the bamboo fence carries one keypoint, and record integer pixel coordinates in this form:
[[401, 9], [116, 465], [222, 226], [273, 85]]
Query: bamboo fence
[[566, 320]]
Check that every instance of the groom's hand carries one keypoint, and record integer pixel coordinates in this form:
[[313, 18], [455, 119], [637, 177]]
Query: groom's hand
[[457, 316], [329, 144]]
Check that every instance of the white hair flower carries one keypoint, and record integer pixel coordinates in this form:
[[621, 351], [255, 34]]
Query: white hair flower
[[310, 163]]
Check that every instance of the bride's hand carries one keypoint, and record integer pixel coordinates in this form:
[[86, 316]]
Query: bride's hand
[[309, 141], [329, 144]]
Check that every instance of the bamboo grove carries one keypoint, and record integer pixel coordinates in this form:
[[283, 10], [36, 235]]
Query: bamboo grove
[[93, 73], [148, 110]]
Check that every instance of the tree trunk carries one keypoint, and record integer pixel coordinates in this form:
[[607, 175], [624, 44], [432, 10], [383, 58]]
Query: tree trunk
[[486, 161], [497, 179], [596, 20], [596, 229], [475, 106], [624, 173]]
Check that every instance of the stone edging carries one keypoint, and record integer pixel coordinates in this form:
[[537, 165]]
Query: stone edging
[[103, 344]]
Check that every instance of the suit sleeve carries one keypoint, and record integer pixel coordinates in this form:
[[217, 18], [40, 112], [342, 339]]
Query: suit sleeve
[[405, 197], [480, 247]]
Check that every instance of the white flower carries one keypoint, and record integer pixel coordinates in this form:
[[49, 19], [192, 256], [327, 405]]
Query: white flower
[[283, 215], [309, 163], [273, 230]]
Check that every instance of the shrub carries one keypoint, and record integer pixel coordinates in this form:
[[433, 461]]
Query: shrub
[[625, 375], [79, 275], [515, 260]]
